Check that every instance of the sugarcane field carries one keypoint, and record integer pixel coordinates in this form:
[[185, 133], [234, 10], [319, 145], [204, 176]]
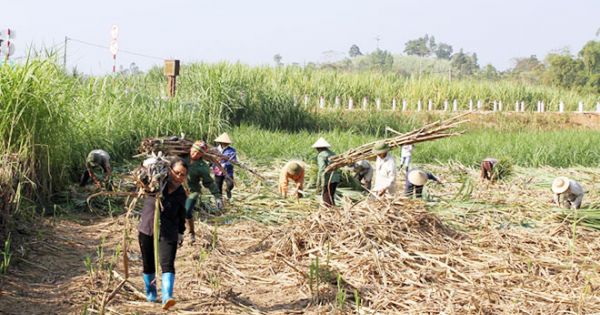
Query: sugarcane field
[[206, 158]]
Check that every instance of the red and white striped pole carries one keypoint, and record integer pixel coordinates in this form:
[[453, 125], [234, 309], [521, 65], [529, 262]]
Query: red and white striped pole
[[114, 46]]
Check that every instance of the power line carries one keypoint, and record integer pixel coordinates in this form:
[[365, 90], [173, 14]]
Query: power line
[[120, 50]]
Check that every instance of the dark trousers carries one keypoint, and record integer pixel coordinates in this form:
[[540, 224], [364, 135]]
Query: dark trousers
[[409, 189], [219, 180], [166, 253], [85, 177], [329, 194], [486, 170]]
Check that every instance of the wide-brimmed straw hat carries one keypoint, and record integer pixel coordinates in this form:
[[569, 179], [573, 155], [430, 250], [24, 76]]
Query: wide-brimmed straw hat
[[321, 143], [560, 184], [294, 168], [223, 138], [380, 147], [417, 177]]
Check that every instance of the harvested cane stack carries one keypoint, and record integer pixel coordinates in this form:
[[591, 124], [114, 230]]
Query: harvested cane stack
[[437, 130], [180, 146], [168, 146]]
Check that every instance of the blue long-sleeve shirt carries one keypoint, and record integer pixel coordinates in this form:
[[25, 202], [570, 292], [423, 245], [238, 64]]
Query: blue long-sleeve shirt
[[227, 165]]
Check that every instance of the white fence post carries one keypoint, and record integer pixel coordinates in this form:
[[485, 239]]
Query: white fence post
[[445, 105], [337, 102], [598, 107], [543, 107], [561, 107], [454, 105], [378, 103], [365, 103], [419, 106], [350, 103], [581, 107], [522, 106], [495, 106], [430, 105], [470, 105], [305, 100], [517, 106], [479, 105], [394, 104], [499, 105], [404, 105], [321, 102]]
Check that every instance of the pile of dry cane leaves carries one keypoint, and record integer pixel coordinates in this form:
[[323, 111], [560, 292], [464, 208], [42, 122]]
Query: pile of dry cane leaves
[[385, 256], [400, 258]]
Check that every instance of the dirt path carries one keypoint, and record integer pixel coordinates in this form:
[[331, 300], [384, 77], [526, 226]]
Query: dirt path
[[43, 273]]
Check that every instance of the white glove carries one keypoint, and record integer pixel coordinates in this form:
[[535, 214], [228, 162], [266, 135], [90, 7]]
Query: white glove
[[180, 240], [219, 204]]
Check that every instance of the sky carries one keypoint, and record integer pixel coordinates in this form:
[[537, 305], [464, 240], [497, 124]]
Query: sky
[[252, 32]]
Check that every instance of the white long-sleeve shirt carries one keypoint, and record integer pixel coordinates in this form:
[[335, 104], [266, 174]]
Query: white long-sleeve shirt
[[406, 150], [573, 195], [385, 174]]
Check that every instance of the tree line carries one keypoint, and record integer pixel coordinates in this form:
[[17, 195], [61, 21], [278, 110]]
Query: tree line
[[426, 56]]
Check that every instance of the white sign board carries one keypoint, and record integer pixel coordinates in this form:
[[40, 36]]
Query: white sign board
[[114, 46], [7, 33], [114, 32]]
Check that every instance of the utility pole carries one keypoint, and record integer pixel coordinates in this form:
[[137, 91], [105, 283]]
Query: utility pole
[[65, 54]]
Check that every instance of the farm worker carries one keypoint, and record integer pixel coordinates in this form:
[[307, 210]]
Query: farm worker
[[97, 158], [487, 167], [293, 170], [385, 170], [415, 180], [567, 193], [363, 172], [406, 156], [198, 171], [223, 144], [326, 181], [172, 226]]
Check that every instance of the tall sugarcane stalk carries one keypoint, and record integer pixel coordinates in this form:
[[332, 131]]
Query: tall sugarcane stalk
[[156, 235]]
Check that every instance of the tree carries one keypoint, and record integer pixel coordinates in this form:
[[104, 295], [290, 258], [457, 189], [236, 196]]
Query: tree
[[489, 72], [590, 55], [380, 60], [443, 51], [277, 58], [465, 64], [563, 71], [528, 69], [354, 51], [418, 47]]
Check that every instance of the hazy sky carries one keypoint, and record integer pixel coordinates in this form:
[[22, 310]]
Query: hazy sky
[[301, 31]]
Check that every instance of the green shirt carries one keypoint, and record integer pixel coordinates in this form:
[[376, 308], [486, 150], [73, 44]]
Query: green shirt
[[322, 163], [198, 171]]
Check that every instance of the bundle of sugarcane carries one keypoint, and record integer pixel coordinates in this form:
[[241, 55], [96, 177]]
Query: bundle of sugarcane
[[167, 145], [436, 130]]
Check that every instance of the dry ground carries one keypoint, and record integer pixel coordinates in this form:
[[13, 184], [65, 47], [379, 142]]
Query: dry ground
[[512, 234]]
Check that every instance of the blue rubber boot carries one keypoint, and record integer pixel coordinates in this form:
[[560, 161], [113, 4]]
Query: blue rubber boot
[[168, 280], [149, 280]]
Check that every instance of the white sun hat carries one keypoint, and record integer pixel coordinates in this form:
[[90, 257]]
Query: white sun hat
[[321, 143], [223, 138], [560, 184], [417, 177]]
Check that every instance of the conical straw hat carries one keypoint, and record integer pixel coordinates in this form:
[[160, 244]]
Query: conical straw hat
[[223, 138], [294, 168], [417, 177], [560, 185], [321, 143]]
